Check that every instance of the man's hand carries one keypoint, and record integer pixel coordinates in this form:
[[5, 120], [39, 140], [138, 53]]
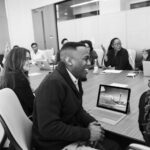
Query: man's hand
[[97, 132]]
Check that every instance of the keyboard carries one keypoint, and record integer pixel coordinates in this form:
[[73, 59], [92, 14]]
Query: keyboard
[[107, 116]]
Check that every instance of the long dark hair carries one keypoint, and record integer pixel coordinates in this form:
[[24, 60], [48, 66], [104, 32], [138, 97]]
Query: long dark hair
[[14, 63], [148, 57], [110, 48]]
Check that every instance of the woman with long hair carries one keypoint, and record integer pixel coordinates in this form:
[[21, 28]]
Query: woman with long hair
[[116, 56], [15, 77], [92, 53]]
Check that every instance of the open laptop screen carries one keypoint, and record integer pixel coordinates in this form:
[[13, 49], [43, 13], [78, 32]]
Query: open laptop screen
[[113, 98]]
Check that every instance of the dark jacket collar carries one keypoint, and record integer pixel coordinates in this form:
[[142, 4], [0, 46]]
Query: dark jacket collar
[[62, 70]]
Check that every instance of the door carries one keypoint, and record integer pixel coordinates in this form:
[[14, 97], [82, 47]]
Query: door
[[45, 29]]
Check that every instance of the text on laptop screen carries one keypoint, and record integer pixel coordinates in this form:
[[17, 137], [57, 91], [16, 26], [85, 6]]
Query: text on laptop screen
[[115, 98]]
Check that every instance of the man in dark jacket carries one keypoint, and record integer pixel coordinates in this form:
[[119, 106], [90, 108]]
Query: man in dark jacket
[[59, 118]]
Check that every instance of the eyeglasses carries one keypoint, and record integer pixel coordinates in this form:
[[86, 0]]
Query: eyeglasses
[[28, 58], [117, 44]]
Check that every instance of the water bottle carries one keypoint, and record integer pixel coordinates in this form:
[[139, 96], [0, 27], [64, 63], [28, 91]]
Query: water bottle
[[95, 66]]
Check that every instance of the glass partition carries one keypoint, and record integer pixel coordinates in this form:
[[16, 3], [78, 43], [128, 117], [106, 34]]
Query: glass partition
[[77, 9]]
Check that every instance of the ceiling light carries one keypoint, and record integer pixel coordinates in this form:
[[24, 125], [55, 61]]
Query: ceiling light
[[84, 3]]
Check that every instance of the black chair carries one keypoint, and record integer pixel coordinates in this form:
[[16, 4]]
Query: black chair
[[1, 59]]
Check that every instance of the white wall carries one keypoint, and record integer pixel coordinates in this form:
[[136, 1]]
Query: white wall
[[80, 29], [138, 28], [19, 17], [132, 27], [109, 6]]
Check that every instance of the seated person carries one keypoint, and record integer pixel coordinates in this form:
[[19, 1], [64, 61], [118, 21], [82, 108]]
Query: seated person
[[59, 118], [63, 41], [145, 57], [92, 52], [15, 77], [36, 54], [144, 115], [116, 56]]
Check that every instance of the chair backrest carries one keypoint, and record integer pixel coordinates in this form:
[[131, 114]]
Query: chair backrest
[[135, 146], [15, 122], [132, 56], [138, 59]]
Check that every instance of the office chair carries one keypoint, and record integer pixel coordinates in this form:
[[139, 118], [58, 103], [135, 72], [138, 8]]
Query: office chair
[[14, 121], [3, 136], [135, 146]]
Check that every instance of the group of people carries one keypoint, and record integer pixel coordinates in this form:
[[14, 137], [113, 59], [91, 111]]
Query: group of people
[[59, 119], [118, 57], [88, 44], [115, 57]]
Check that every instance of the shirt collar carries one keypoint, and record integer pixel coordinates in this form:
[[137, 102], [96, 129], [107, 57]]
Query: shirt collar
[[73, 78]]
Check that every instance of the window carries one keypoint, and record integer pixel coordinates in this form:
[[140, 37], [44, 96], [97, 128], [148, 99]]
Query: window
[[140, 4], [77, 9]]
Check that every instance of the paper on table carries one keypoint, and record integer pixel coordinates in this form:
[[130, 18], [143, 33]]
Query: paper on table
[[132, 74], [119, 85], [34, 74], [111, 71]]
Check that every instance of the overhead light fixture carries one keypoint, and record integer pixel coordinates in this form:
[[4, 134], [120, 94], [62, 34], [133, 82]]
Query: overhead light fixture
[[84, 3]]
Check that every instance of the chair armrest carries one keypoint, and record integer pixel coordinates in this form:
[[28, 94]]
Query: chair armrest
[[135, 146]]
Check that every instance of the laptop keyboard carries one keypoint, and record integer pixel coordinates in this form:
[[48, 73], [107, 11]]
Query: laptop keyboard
[[99, 113]]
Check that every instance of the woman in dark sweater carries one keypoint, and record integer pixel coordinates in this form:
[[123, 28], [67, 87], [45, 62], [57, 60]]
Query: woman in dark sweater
[[116, 56], [92, 53], [145, 57], [15, 77]]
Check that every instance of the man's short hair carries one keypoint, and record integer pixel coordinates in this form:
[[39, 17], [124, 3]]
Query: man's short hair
[[34, 44], [71, 45], [64, 39]]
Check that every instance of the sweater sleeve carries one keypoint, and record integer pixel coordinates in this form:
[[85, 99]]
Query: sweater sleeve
[[124, 61], [141, 111], [84, 117], [110, 60], [49, 105]]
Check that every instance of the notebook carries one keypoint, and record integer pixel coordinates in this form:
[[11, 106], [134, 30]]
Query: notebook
[[146, 68], [112, 104], [44, 65]]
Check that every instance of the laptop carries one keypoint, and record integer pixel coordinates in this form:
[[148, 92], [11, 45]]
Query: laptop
[[44, 65], [146, 68], [112, 104]]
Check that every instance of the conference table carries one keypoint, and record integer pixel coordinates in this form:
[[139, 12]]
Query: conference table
[[128, 126]]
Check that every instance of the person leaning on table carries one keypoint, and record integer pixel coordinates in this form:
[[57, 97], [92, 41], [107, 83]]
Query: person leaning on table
[[145, 57], [116, 56], [59, 120]]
